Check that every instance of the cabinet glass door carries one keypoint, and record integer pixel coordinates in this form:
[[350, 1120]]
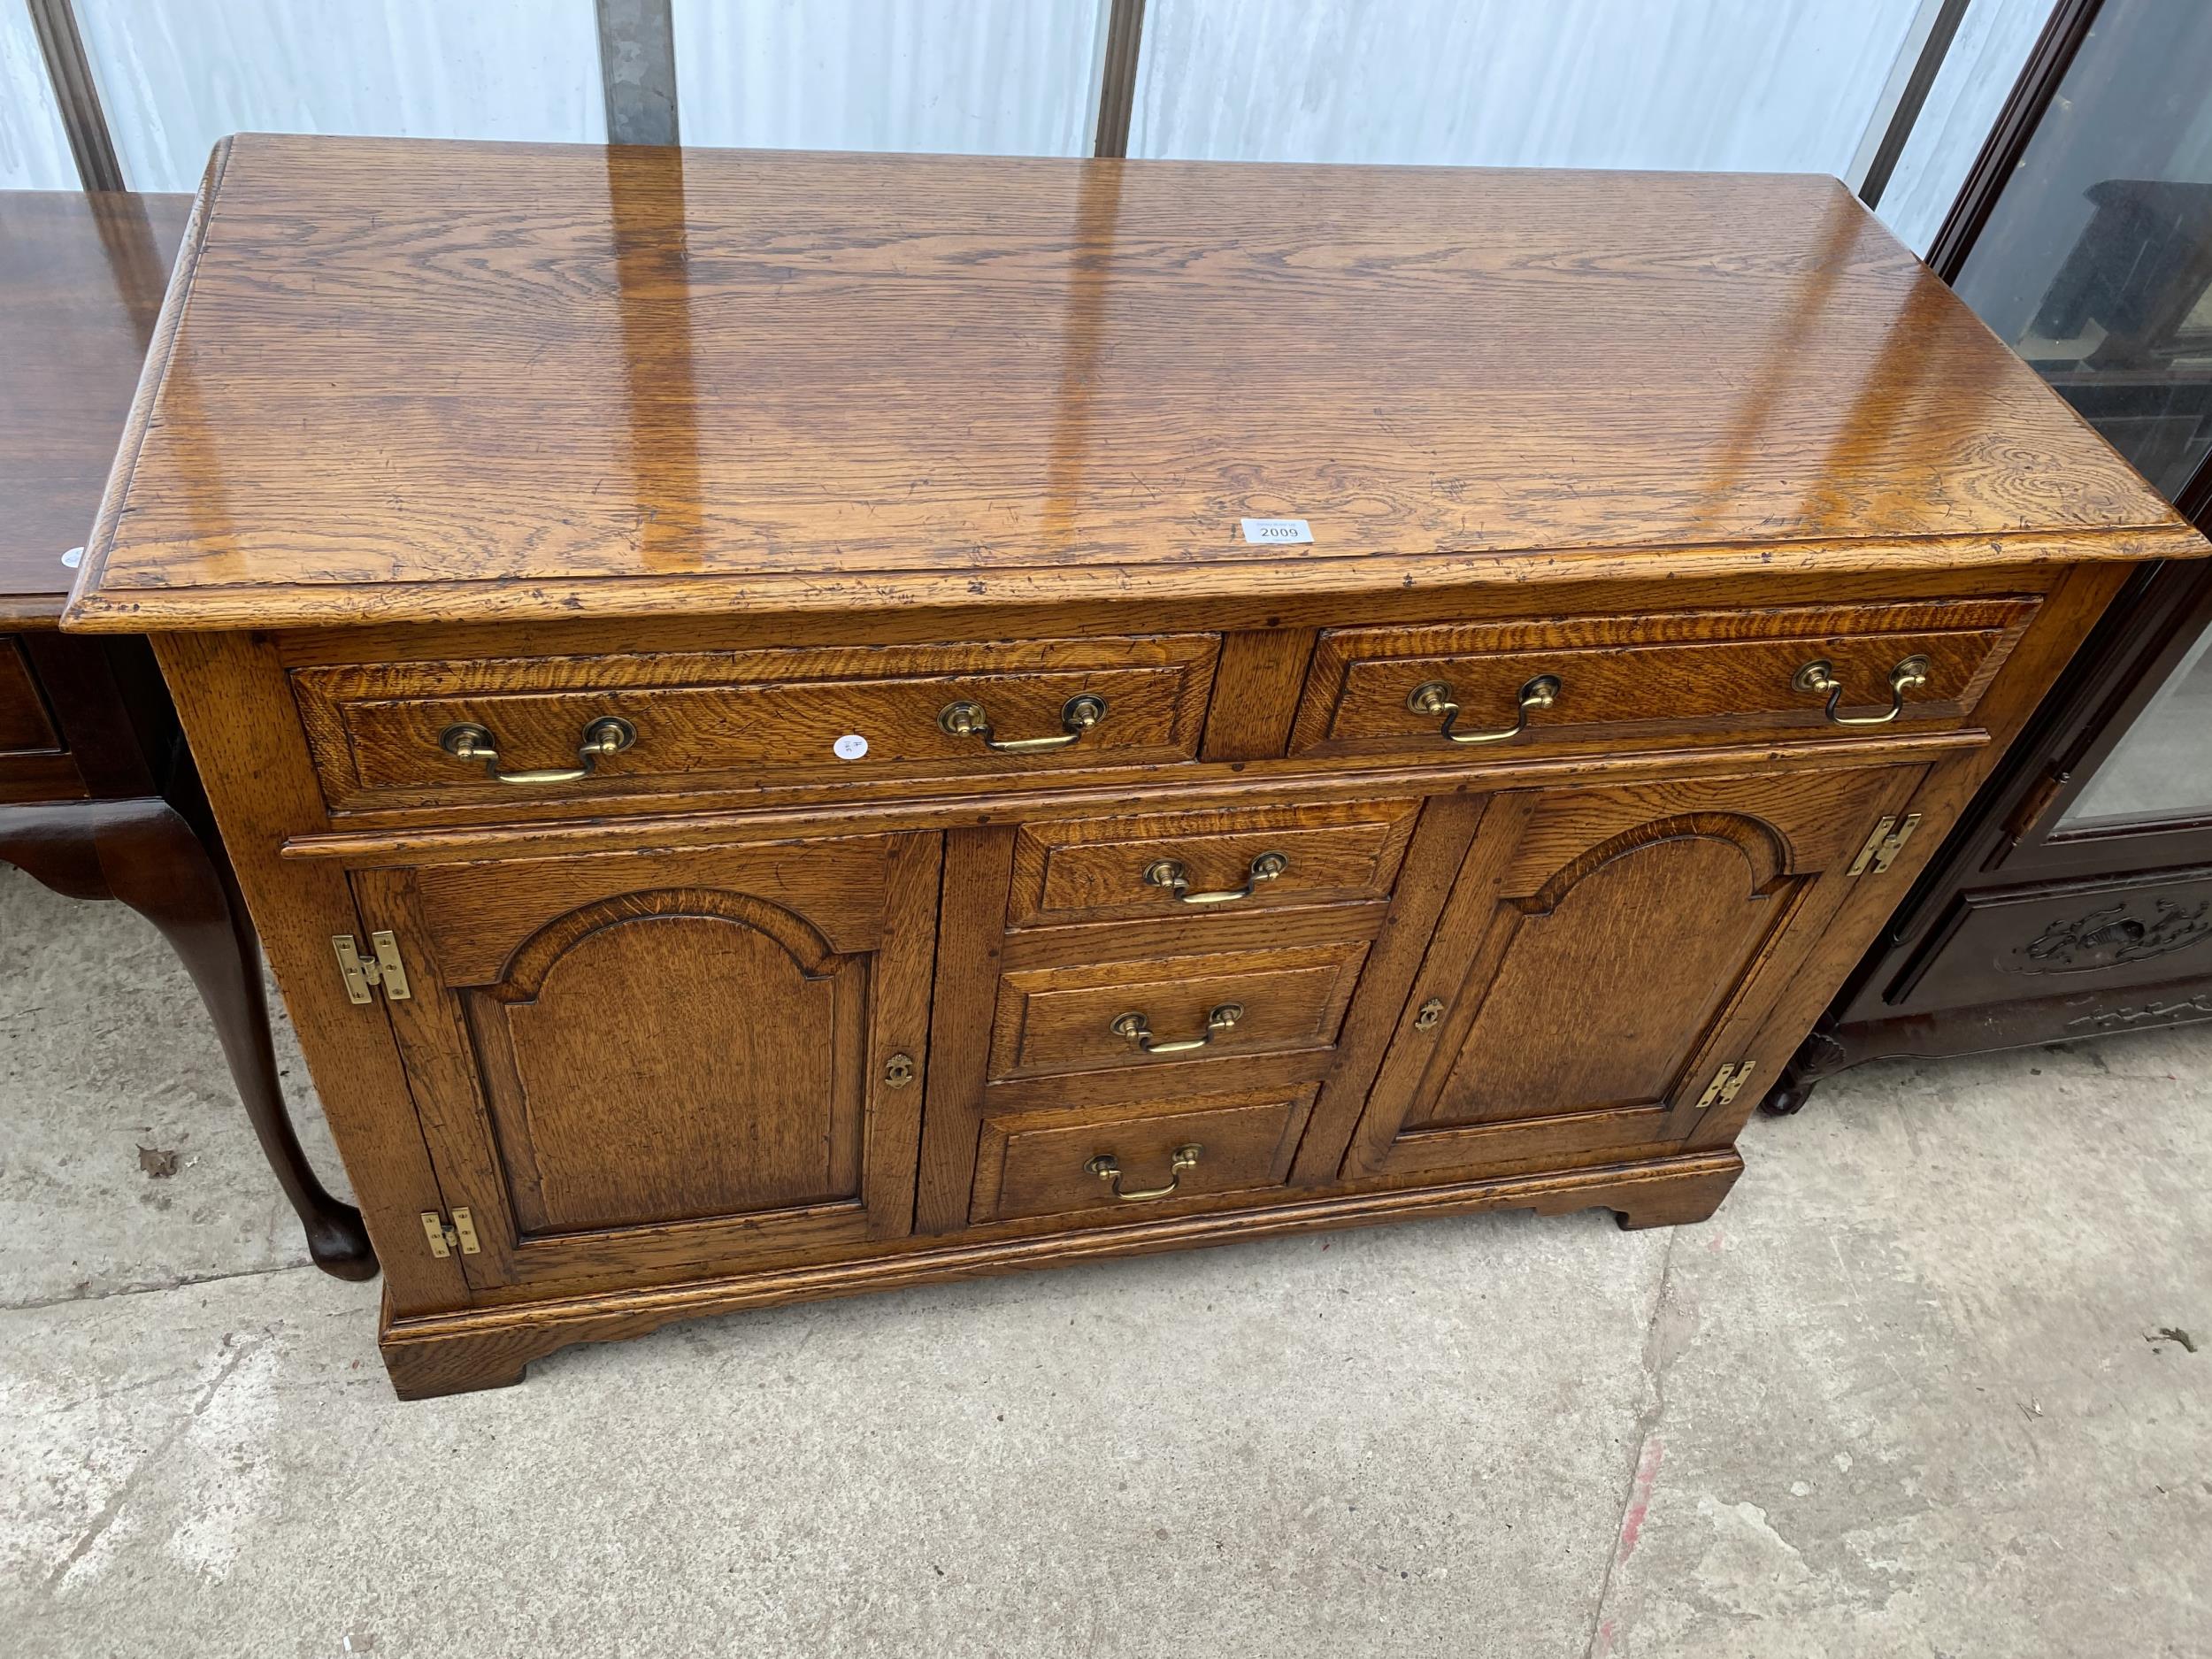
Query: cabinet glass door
[[2161, 768], [2096, 266]]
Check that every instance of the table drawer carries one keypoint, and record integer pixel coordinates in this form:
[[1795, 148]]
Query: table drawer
[[1161, 1011], [1709, 676], [36, 761], [25, 726], [1127, 1163], [385, 734], [1225, 860]]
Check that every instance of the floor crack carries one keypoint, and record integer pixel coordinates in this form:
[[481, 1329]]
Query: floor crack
[[36, 1302], [233, 1357], [1660, 1351]]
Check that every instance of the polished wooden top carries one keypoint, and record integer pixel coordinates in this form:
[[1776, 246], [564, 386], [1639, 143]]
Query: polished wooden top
[[80, 283], [422, 381]]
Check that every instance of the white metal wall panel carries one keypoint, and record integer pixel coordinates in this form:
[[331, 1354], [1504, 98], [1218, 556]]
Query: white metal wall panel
[[175, 75], [1984, 61], [1764, 85], [34, 147], [971, 77]]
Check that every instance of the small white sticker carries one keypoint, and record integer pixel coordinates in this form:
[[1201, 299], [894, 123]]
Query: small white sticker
[[1277, 531], [852, 746], [74, 557]]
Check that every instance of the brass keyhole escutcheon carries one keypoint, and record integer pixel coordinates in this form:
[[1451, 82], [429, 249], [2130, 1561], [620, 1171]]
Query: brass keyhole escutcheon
[[898, 1071], [1426, 1017]]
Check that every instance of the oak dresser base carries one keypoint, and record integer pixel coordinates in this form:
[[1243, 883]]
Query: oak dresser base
[[1034, 711]]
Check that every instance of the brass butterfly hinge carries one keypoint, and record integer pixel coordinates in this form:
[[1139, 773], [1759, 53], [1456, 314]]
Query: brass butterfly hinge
[[445, 1240], [1727, 1085], [383, 968], [1882, 846]]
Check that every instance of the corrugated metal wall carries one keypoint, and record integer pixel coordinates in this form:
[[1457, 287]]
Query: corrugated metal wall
[[975, 77], [1984, 61], [1769, 85], [34, 148], [1748, 84], [175, 75]]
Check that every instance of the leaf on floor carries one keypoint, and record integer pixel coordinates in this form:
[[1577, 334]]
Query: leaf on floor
[[158, 1163]]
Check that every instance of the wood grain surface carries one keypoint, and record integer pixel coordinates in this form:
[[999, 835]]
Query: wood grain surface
[[84, 277], [1603, 951], [262, 786], [416, 380], [684, 1066]]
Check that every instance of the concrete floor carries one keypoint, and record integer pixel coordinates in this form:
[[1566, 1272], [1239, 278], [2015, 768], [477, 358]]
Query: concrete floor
[[1918, 1390]]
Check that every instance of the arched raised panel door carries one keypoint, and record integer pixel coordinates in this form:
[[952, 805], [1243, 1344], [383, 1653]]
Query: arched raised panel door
[[667, 1064], [1603, 955]]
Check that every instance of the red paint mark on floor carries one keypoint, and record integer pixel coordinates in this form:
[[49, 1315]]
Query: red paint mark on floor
[[1640, 1496], [1603, 1645]]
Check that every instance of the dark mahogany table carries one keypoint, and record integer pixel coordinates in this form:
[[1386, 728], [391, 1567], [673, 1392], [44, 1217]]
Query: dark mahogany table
[[98, 796]]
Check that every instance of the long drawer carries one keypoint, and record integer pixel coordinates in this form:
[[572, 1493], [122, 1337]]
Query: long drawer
[[1801, 673], [398, 734]]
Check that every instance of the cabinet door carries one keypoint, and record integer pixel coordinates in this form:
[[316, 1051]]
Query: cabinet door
[[1603, 954], [657, 1065]]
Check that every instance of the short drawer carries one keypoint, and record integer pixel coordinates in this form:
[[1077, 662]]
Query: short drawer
[[25, 727], [1124, 1163], [1158, 1011], [391, 734], [1684, 676], [1231, 859]]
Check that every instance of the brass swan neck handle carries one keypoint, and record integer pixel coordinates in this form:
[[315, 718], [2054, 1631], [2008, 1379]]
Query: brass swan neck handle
[[1434, 696], [472, 743], [1820, 675], [1077, 716], [1107, 1169], [1166, 872], [1135, 1028]]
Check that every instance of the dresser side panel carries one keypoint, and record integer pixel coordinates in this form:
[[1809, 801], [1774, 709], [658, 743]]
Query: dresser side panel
[[239, 717]]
